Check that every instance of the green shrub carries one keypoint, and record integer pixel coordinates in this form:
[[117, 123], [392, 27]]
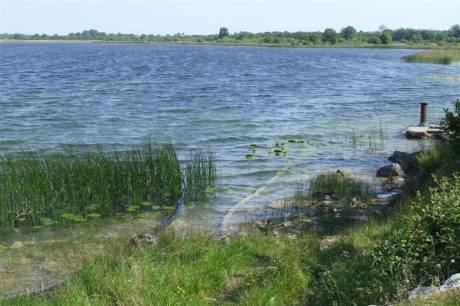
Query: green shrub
[[424, 246], [451, 125]]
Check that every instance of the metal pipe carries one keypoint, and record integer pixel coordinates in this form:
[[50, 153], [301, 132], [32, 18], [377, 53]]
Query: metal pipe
[[423, 113]]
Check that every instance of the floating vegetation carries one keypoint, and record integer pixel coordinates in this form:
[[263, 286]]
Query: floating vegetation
[[444, 57], [298, 141], [279, 149], [94, 215], [250, 156], [73, 186], [334, 186]]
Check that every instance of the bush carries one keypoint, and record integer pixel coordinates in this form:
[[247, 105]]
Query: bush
[[451, 124], [424, 246]]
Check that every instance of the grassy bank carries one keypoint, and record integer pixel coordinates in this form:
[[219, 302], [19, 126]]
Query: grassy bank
[[377, 262], [39, 188], [444, 57]]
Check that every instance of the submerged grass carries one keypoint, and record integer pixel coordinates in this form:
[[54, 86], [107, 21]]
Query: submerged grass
[[36, 186], [339, 186], [444, 57]]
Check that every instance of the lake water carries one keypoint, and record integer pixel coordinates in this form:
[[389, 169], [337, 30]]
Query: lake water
[[223, 99], [219, 98]]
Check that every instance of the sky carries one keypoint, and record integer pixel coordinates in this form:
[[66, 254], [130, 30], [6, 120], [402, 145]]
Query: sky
[[207, 16]]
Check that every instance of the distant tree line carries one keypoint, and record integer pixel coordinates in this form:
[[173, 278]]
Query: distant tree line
[[348, 35]]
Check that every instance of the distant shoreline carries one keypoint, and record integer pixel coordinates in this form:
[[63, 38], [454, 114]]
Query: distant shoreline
[[319, 46]]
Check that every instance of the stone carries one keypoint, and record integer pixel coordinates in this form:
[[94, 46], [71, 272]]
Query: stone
[[144, 239], [422, 291], [452, 283], [390, 171], [407, 161]]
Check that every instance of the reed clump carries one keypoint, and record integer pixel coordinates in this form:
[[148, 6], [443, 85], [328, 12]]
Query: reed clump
[[200, 175], [337, 186], [41, 188], [444, 57]]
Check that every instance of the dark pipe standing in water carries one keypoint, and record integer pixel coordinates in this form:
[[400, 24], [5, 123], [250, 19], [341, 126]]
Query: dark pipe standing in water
[[423, 113]]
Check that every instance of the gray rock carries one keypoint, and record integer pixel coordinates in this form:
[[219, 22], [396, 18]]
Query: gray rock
[[390, 171], [407, 161], [451, 283]]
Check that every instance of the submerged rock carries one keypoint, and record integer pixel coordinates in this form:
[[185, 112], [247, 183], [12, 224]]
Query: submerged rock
[[390, 171]]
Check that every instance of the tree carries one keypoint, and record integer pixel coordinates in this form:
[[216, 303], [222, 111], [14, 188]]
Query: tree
[[223, 32], [454, 32], [374, 40], [330, 35], [386, 37], [348, 33], [416, 38]]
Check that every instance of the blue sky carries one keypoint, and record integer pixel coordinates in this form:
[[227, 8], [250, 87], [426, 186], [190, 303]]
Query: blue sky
[[206, 16]]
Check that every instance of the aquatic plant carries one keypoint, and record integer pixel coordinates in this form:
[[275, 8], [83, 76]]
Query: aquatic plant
[[377, 138], [444, 57], [337, 186], [74, 185], [200, 175]]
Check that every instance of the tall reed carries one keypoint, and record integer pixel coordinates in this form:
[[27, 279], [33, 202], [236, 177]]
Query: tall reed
[[35, 184], [200, 175]]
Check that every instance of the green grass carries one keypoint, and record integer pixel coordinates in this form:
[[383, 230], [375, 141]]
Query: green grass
[[37, 187], [444, 57], [341, 187]]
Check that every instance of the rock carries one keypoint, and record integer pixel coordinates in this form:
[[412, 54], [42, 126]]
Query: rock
[[422, 291], [226, 240], [407, 161], [452, 283], [390, 171], [144, 239], [275, 233], [327, 242]]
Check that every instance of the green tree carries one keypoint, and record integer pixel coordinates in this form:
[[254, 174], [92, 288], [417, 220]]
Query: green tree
[[374, 40], [223, 32], [416, 38], [348, 33], [330, 36], [454, 32], [386, 37]]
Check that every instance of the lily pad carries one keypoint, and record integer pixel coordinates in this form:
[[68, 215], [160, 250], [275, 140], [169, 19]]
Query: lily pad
[[38, 226], [78, 218], [250, 156], [133, 208], [47, 221], [211, 189], [94, 215], [146, 203], [68, 216]]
